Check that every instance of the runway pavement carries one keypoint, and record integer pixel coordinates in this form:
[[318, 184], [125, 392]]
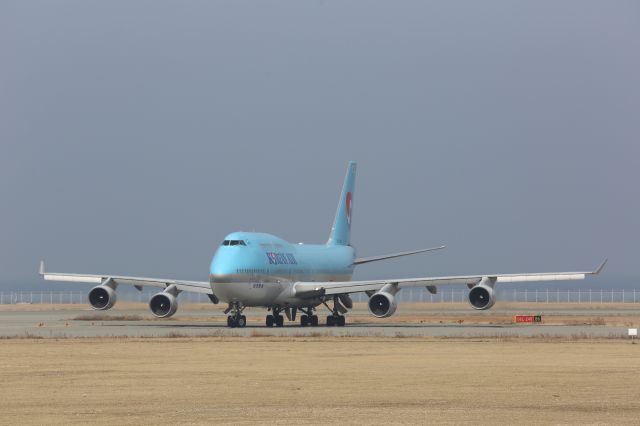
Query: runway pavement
[[443, 321]]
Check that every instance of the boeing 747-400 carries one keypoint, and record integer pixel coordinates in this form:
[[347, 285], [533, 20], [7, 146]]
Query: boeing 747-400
[[257, 269]]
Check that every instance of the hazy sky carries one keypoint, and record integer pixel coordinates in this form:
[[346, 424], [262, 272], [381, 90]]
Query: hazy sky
[[134, 135]]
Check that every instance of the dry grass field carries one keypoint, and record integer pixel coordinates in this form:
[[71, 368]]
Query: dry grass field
[[318, 380]]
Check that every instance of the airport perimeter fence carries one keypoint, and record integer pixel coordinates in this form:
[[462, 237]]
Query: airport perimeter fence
[[415, 295]]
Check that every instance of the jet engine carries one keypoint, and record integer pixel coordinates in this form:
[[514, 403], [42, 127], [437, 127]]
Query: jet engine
[[163, 304], [382, 304], [102, 297], [482, 296]]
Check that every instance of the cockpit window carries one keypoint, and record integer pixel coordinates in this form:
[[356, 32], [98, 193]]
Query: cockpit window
[[233, 243]]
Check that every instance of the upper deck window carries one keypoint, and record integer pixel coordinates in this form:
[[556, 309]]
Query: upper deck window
[[233, 243]]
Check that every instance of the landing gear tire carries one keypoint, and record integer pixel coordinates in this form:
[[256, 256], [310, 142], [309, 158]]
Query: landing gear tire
[[236, 321], [304, 320], [330, 321], [231, 322], [241, 321], [279, 321], [270, 320], [335, 320], [313, 320]]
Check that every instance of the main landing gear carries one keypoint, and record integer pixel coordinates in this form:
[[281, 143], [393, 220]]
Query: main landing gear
[[335, 319], [236, 319], [275, 319], [308, 318]]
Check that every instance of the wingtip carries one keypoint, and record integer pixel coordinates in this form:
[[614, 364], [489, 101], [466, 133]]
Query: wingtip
[[601, 267], [41, 267]]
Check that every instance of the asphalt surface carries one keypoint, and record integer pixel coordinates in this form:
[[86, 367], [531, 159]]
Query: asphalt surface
[[140, 323]]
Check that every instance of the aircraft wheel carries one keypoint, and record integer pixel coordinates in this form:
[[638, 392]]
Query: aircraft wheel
[[270, 320], [341, 321], [231, 322], [242, 321], [304, 320], [313, 320], [330, 321], [279, 321]]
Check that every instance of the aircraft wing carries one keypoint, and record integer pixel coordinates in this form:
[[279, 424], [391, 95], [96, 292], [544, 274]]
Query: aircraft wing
[[137, 282], [314, 289]]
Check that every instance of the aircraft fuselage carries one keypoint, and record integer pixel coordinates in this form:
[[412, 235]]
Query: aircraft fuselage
[[257, 269]]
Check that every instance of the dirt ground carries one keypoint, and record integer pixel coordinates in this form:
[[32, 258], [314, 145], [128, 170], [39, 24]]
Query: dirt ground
[[318, 380]]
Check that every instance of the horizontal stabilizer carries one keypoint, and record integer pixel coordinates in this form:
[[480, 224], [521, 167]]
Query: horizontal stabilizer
[[362, 260]]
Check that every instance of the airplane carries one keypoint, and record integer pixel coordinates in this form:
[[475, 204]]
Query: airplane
[[251, 269]]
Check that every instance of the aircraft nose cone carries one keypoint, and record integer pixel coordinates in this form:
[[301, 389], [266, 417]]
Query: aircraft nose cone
[[222, 268], [220, 274]]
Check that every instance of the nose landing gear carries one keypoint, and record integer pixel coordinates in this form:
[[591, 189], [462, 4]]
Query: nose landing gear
[[236, 319]]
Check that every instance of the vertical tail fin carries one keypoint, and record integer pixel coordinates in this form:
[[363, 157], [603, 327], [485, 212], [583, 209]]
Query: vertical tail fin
[[341, 230]]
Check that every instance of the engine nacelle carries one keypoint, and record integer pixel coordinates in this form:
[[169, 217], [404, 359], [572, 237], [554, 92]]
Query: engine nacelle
[[482, 296], [102, 297], [382, 304], [163, 305]]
